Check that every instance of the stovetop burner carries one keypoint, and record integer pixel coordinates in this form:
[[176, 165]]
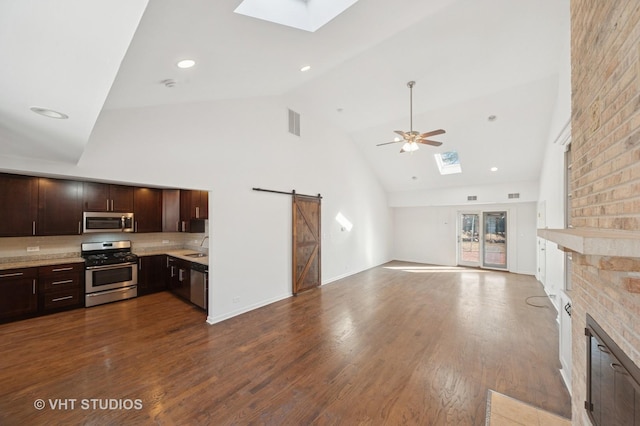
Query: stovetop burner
[[107, 253]]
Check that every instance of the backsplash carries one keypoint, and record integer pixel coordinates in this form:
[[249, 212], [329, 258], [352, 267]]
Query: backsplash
[[14, 249]]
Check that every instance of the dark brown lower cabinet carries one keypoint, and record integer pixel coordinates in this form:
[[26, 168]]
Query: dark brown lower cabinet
[[18, 293], [613, 381], [179, 277], [151, 274], [61, 287]]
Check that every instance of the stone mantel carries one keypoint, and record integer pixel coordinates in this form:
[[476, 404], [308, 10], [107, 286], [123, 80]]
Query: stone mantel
[[595, 242]]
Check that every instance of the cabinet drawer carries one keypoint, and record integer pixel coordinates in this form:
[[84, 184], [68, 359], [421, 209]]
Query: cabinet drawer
[[60, 299], [61, 269], [12, 274], [61, 281]]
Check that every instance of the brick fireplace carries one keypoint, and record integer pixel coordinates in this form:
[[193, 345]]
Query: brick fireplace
[[604, 180]]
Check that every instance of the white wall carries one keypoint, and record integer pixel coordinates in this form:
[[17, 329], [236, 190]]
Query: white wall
[[551, 194], [428, 234], [552, 204], [457, 196], [228, 147]]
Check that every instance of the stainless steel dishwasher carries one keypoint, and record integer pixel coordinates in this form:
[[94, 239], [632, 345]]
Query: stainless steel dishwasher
[[199, 284]]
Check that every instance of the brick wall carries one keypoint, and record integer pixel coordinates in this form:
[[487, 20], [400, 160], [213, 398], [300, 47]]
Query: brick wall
[[605, 177]]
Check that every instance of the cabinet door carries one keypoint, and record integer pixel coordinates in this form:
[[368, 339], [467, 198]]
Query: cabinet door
[[170, 210], [187, 206], [151, 274], [193, 205], [183, 284], [19, 205], [102, 197], [18, 292], [147, 209], [179, 277], [59, 207], [96, 197], [121, 198], [203, 205]]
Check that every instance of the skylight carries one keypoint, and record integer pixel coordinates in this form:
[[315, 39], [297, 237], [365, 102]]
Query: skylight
[[448, 163], [308, 15]]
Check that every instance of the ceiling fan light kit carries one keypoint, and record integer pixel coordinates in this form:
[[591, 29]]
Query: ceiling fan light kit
[[412, 138]]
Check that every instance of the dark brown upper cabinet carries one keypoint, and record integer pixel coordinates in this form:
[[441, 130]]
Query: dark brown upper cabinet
[[194, 204], [147, 209], [171, 210], [102, 197], [19, 205], [59, 207]]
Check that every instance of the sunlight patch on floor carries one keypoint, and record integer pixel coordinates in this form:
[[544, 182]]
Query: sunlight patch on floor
[[426, 269], [503, 410]]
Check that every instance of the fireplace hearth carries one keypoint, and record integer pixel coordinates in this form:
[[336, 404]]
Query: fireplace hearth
[[613, 380]]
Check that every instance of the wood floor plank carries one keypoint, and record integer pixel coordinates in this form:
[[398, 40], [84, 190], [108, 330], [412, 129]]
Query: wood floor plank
[[397, 344]]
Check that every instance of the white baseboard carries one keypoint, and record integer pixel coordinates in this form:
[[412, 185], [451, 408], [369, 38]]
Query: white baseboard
[[220, 318], [566, 380], [216, 319]]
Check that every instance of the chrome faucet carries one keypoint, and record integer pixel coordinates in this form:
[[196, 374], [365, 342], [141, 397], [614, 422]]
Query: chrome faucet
[[202, 242]]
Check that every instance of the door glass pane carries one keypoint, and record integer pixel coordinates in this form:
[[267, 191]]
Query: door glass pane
[[495, 239], [470, 241]]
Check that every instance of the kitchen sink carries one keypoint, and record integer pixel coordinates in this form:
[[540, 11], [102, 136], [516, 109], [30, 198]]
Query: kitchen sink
[[196, 255]]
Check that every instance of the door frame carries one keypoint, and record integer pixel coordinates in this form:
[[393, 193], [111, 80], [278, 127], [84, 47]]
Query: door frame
[[510, 226], [507, 230], [459, 244], [315, 230]]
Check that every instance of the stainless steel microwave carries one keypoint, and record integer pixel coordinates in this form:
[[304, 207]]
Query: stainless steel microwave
[[107, 222]]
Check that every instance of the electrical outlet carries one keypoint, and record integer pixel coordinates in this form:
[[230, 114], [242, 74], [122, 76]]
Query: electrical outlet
[[165, 241], [236, 299], [35, 248]]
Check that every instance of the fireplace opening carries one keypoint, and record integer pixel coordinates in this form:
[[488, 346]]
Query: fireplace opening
[[613, 380]]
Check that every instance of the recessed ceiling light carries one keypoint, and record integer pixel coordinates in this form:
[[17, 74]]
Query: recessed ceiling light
[[494, 169], [305, 68], [186, 63], [49, 113], [492, 118]]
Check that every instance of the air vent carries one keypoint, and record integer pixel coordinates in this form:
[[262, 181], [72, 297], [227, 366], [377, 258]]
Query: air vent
[[514, 195], [294, 123], [472, 197]]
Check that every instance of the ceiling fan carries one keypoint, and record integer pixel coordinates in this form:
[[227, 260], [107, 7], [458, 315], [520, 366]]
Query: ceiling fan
[[412, 138]]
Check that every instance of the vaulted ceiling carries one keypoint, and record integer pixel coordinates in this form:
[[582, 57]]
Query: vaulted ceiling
[[469, 59]]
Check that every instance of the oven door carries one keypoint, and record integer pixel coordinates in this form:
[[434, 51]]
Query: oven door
[[109, 277]]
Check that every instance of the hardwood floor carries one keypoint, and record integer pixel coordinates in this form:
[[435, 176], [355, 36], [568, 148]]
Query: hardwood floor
[[397, 344]]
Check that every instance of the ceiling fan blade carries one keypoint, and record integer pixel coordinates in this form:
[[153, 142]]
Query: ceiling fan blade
[[387, 143], [428, 142], [432, 133], [401, 133]]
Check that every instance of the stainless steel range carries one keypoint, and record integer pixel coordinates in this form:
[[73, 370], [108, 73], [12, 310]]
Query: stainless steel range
[[111, 272]]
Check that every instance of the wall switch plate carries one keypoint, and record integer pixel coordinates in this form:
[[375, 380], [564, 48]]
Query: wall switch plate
[[236, 300], [36, 248]]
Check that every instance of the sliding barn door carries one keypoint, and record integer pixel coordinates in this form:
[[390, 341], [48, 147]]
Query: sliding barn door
[[306, 243]]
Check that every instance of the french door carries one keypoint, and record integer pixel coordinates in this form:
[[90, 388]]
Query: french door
[[482, 239], [469, 239]]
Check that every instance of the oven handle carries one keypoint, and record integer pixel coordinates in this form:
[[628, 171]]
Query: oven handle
[[117, 290], [113, 266]]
